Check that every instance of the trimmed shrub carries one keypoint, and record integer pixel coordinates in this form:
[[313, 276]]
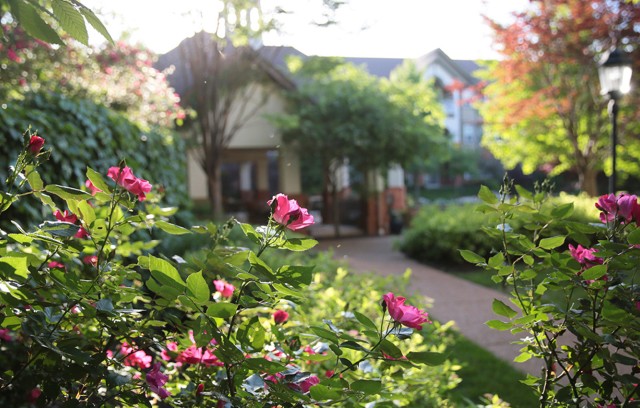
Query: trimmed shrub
[[81, 132]]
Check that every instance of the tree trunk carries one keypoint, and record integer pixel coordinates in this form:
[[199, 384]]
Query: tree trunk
[[214, 182], [335, 204], [587, 180]]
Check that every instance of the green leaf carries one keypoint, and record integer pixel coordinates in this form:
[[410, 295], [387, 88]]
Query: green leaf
[[595, 272], [97, 180], [60, 228], [552, 242], [496, 261], [320, 392], [171, 228], [86, 212], [250, 232], [498, 325], [260, 364], [634, 237], [390, 349], [70, 20], [34, 179], [197, 288], [260, 268], [32, 23], [46, 200], [471, 257], [325, 334], [369, 387], [21, 238], [162, 271], [222, 310], [427, 357], [14, 266], [286, 291], [165, 291], [299, 244], [96, 23], [525, 356], [365, 320], [562, 211], [501, 309], [295, 276], [67, 193], [486, 195]]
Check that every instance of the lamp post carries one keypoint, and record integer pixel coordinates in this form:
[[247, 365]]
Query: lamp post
[[615, 79]]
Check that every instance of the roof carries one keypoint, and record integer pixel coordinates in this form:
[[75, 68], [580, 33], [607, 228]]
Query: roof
[[272, 60], [380, 67], [275, 59], [463, 68]]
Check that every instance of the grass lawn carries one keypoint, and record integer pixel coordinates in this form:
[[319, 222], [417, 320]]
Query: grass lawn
[[483, 373]]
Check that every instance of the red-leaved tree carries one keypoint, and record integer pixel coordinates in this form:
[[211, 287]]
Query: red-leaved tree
[[543, 107]]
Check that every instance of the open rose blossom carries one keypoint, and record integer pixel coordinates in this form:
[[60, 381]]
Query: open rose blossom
[[65, 216], [406, 315], [288, 213], [225, 289], [35, 144], [623, 207], [157, 380], [125, 178]]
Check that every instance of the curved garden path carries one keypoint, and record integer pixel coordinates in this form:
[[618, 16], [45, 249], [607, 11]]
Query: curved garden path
[[464, 302]]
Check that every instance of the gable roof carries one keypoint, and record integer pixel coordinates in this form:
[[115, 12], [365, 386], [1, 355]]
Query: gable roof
[[439, 56], [270, 59]]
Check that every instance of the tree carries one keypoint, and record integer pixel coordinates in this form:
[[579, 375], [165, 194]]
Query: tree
[[227, 87], [543, 103], [340, 112], [229, 81]]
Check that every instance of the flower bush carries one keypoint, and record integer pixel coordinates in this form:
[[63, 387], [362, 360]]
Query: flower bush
[[99, 319], [577, 304]]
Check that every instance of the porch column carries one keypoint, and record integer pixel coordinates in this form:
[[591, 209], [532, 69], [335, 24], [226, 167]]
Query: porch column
[[246, 182], [289, 181], [377, 217], [396, 190]]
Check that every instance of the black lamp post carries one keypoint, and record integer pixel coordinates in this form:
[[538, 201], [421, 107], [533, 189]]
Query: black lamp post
[[615, 80]]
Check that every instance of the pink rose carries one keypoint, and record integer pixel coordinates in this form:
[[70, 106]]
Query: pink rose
[[35, 144], [66, 216], [225, 289], [280, 316], [56, 265], [135, 358], [624, 207], [33, 395], [5, 335], [82, 234], [171, 346], [90, 260], [157, 380], [585, 256], [288, 213], [125, 178], [93, 189], [306, 384], [406, 315]]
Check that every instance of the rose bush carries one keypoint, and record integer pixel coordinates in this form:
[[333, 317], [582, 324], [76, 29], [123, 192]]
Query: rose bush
[[577, 303], [100, 319]]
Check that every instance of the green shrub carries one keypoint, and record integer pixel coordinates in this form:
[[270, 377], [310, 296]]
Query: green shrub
[[80, 133], [436, 233]]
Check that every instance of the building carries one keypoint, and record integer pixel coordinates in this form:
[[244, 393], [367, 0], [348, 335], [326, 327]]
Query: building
[[257, 165]]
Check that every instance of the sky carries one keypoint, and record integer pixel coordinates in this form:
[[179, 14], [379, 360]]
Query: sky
[[366, 28]]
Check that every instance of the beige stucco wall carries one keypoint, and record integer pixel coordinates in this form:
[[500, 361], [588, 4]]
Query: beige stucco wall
[[250, 144], [258, 132]]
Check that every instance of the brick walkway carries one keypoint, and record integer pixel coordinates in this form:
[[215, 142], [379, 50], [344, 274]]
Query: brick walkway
[[464, 302]]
